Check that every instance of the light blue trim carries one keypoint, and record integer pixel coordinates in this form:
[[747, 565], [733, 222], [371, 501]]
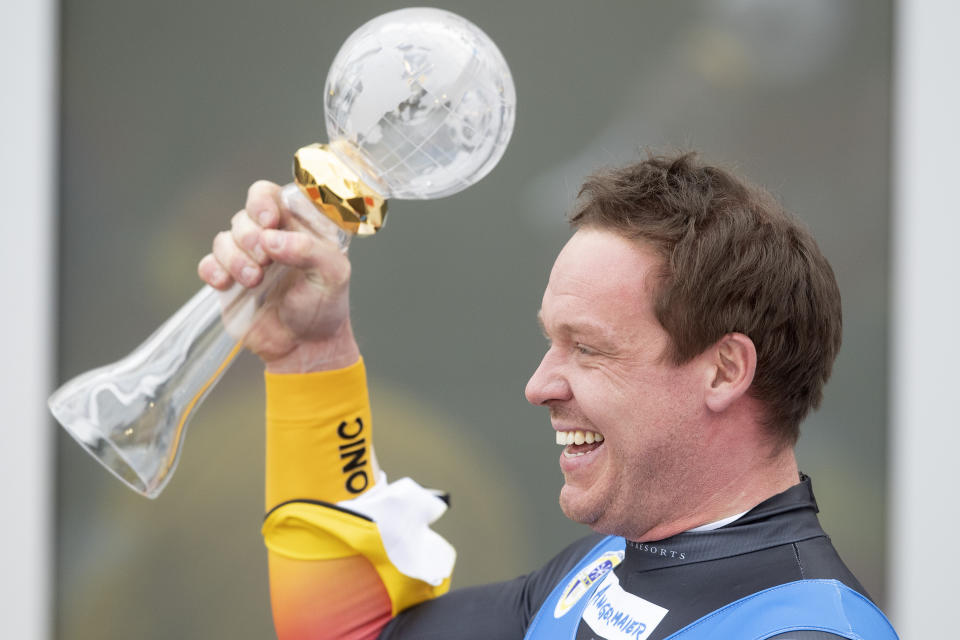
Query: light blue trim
[[805, 605]]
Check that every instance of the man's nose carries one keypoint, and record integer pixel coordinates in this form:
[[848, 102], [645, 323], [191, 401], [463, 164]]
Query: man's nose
[[547, 382]]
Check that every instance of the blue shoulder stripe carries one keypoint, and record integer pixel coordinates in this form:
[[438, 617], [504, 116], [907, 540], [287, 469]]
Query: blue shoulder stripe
[[805, 605]]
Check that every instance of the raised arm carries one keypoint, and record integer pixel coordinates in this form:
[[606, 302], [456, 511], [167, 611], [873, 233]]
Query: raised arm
[[332, 572]]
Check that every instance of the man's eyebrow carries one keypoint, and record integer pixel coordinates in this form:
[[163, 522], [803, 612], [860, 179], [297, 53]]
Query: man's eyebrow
[[575, 328]]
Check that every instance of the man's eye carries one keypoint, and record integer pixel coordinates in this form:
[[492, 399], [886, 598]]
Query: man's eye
[[584, 350]]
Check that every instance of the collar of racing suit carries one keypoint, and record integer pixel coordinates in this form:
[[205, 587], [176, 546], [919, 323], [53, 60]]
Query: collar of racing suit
[[785, 518]]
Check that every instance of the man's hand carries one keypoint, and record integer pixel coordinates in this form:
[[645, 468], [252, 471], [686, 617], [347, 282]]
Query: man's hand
[[306, 326]]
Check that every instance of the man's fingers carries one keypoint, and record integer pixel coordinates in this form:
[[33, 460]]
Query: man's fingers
[[255, 240], [235, 261], [304, 251], [263, 204], [246, 233], [211, 272]]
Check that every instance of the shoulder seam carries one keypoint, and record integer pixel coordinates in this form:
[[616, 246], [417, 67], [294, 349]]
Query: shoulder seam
[[796, 552]]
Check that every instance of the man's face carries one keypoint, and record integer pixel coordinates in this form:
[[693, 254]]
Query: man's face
[[605, 374]]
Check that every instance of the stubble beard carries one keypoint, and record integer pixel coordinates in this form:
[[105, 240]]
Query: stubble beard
[[637, 501], [605, 513], [588, 514], [595, 505], [641, 493]]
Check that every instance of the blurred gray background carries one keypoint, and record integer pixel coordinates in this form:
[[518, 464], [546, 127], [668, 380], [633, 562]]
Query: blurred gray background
[[170, 110]]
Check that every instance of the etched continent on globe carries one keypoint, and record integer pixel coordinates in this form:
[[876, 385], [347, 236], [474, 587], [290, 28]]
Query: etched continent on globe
[[423, 99]]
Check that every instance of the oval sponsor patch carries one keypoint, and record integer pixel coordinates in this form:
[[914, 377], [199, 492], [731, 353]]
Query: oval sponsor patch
[[585, 579]]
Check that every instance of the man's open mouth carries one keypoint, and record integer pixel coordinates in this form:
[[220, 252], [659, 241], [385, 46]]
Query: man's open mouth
[[577, 443]]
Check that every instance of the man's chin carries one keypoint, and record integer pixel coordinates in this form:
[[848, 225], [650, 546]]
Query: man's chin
[[579, 507]]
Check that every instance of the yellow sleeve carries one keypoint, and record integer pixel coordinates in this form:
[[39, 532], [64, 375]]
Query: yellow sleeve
[[319, 436], [319, 452]]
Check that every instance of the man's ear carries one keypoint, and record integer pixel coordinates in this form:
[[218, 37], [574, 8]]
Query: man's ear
[[733, 362]]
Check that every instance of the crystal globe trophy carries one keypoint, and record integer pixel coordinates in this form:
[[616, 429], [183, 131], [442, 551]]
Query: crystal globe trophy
[[419, 104]]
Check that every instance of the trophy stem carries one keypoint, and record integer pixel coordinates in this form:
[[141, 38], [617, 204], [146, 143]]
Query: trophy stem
[[132, 415]]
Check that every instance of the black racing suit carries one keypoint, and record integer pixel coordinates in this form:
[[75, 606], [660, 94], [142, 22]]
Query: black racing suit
[[690, 575]]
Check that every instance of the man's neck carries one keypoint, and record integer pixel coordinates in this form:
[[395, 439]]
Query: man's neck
[[735, 489]]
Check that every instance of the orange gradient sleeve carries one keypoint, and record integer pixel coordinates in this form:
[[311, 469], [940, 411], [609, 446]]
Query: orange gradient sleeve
[[329, 574], [334, 598], [319, 448]]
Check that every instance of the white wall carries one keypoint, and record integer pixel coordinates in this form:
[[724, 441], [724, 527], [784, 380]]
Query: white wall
[[28, 166], [925, 379]]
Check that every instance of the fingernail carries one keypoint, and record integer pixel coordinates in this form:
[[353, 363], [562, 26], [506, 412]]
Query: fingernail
[[274, 240], [258, 253], [248, 274], [265, 217]]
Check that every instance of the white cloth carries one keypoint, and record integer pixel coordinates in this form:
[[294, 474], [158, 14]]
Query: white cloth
[[403, 512]]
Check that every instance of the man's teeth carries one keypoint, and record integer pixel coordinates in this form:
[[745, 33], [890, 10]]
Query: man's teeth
[[578, 437]]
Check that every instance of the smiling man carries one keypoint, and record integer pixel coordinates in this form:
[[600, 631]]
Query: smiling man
[[692, 325], [672, 446]]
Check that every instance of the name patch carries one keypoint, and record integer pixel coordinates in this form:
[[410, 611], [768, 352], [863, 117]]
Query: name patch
[[614, 614]]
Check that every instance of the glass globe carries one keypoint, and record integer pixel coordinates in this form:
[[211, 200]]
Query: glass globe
[[420, 102]]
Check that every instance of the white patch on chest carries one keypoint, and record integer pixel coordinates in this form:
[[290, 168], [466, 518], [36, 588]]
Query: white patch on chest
[[614, 614]]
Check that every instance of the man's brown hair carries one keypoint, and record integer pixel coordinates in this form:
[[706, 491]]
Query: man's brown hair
[[733, 261]]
